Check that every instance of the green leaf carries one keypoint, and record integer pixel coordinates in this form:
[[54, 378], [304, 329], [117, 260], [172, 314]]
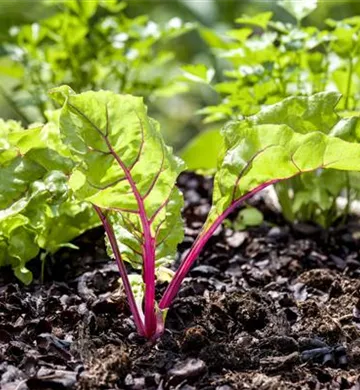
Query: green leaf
[[35, 209], [299, 113], [27, 156], [212, 38], [259, 20], [198, 73], [249, 216], [240, 34], [124, 167], [302, 113], [259, 155], [344, 40], [59, 224], [84, 9], [298, 9], [23, 274], [202, 152], [21, 249]]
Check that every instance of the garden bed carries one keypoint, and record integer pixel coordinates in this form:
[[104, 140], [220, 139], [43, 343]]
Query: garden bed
[[273, 307]]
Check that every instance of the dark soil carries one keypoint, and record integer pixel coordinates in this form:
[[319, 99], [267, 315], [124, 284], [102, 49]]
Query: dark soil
[[275, 307]]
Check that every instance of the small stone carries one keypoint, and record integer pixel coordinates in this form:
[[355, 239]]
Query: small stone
[[190, 368], [129, 380], [237, 239], [300, 291], [275, 233], [205, 270]]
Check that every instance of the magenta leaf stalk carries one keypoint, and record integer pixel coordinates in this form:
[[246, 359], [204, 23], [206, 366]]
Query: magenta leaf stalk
[[148, 247], [199, 244], [124, 277]]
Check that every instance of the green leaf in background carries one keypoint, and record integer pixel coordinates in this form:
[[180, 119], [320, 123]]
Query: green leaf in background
[[203, 151], [259, 20], [198, 73], [124, 167], [299, 9], [247, 217], [133, 55], [212, 38]]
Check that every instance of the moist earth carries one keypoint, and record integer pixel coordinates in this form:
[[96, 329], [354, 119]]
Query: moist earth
[[272, 307]]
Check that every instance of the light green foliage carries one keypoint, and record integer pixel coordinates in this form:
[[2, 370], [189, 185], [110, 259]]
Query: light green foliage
[[35, 212], [259, 20], [267, 61], [123, 166], [281, 60], [90, 45]]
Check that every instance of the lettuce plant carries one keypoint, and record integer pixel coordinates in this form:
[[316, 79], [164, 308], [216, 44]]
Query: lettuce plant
[[125, 170], [36, 210]]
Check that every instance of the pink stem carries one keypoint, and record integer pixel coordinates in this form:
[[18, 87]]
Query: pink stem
[[148, 250], [128, 290], [199, 244]]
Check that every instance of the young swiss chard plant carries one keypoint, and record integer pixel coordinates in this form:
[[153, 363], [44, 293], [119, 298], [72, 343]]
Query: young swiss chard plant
[[124, 169]]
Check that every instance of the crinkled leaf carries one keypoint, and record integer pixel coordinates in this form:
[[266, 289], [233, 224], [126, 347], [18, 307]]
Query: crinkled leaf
[[259, 155], [124, 167], [20, 247], [35, 209], [303, 114], [29, 155], [59, 224]]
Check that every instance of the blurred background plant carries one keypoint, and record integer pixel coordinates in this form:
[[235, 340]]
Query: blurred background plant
[[262, 62], [135, 47]]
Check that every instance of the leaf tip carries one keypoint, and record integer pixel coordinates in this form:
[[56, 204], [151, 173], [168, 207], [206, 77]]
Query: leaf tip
[[61, 94]]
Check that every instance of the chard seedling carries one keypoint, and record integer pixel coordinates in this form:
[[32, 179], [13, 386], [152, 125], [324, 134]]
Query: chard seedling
[[125, 170]]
